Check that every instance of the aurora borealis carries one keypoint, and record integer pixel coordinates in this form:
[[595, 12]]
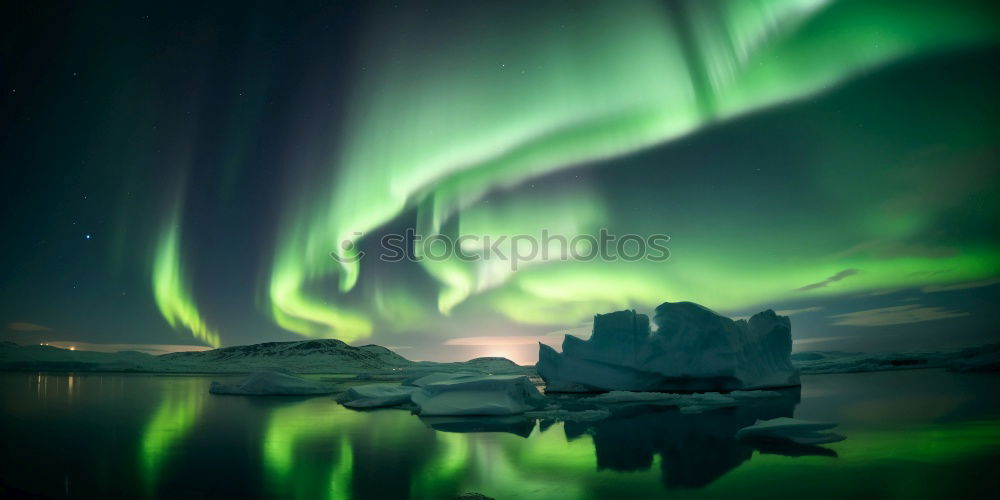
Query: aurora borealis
[[181, 174], [170, 290]]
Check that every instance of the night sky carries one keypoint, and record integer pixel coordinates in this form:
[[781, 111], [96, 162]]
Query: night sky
[[178, 174]]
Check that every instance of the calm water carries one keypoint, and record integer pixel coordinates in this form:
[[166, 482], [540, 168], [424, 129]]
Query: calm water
[[910, 434]]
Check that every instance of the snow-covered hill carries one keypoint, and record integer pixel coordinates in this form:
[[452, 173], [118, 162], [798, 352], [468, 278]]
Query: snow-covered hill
[[304, 356]]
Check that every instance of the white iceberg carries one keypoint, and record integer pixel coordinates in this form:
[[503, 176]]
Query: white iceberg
[[376, 396], [272, 383], [482, 395], [452, 394], [790, 429], [693, 349]]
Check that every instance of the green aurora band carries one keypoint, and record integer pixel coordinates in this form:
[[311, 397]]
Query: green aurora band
[[509, 96], [170, 289]]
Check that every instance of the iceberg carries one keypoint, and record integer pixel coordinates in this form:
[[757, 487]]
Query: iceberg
[[423, 380], [692, 349], [376, 396], [803, 432], [452, 394], [492, 395], [272, 383]]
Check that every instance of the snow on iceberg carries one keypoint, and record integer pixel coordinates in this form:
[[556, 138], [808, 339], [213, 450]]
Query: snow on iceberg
[[422, 380], [376, 396], [272, 383], [483, 395], [791, 429], [692, 349], [452, 394]]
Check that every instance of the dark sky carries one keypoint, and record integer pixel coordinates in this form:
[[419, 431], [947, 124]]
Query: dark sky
[[178, 174]]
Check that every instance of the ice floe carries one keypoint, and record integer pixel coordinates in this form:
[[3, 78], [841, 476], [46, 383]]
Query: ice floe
[[376, 396], [791, 429]]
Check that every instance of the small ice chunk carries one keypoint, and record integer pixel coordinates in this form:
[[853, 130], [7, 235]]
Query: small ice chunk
[[272, 383], [376, 396], [791, 429], [786, 424], [814, 438]]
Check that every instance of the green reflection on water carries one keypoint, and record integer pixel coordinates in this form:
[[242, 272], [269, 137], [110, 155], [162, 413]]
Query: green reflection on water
[[439, 477], [307, 450], [873, 461], [932, 461], [340, 476], [542, 464], [177, 413], [315, 448], [505, 465]]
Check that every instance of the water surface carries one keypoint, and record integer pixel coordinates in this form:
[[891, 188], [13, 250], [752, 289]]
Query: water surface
[[923, 433]]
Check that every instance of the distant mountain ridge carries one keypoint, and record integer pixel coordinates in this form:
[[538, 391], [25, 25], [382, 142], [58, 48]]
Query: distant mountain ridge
[[302, 356], [317, 353], [379, 363]]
